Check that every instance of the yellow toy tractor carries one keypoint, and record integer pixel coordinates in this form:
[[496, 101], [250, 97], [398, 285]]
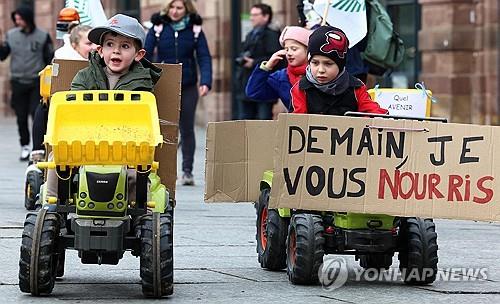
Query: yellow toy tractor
[[109, 199]]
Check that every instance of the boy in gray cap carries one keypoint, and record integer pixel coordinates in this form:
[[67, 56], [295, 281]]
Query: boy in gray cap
[[118, 64]]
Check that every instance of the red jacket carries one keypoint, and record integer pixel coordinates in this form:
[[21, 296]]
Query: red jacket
[[365, 103]]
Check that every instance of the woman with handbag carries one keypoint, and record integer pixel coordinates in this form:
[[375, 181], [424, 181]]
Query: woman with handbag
[[177, 36]]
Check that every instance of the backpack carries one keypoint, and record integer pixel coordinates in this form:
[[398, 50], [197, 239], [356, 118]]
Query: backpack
[[384, 48], [196, 31]]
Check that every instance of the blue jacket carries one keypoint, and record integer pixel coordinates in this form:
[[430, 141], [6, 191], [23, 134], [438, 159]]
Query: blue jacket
[[181, 47], [265, 86]]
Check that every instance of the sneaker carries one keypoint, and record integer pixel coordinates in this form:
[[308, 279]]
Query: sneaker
[[37, 156], [187, 179], [25, 153]]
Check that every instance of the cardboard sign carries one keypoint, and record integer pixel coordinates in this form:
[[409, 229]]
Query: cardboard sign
[[167, 93], [238, 153], [403, 102], [384, 166]]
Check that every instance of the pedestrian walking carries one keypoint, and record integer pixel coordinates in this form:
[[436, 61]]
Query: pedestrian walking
[[178, 37], [30, 50]]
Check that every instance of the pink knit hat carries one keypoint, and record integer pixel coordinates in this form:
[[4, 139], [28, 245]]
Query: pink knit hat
[[296, 33]]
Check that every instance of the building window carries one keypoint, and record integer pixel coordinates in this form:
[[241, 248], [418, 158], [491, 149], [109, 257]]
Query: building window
[[246, 5], [405, 16], [129, 7], [28, 3]]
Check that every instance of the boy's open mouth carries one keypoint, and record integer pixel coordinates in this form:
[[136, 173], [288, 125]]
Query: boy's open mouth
[[116, 60]]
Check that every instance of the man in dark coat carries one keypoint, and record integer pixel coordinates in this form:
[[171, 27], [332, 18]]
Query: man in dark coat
[[259, 45]]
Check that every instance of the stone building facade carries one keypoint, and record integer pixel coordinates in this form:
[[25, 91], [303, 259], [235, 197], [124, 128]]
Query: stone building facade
[[459, 42], [458, 45]]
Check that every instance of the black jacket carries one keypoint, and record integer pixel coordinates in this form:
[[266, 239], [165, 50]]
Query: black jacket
[[319, 102], [260, 47]]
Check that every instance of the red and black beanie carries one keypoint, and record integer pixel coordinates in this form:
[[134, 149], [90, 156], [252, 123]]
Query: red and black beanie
[[331, 42]]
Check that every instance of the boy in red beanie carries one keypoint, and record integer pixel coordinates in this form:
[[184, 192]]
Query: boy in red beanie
[[328, 88]]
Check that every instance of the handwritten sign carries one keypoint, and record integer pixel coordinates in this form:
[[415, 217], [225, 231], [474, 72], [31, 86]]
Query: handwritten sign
[[396, 167], [403, 102]]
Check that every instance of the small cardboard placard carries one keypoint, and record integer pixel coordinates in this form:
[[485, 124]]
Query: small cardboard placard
[[238, 153], [383, 166], [403, 102], [168, 95]]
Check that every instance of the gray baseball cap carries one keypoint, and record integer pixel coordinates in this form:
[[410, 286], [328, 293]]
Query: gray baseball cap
[[122, 25]]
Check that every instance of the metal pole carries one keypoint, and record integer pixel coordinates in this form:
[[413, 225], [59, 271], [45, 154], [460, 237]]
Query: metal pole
[[235, 49], [325, 12]]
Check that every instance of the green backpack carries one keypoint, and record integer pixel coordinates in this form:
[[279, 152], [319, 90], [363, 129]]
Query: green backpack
[[384, 48]]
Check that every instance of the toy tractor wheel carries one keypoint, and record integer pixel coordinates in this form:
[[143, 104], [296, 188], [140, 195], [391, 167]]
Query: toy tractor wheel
[[305, 248], [38, 261], [61, 258], [33, 182], [271, 235], [157, 255], [418, 253], [376, 261]]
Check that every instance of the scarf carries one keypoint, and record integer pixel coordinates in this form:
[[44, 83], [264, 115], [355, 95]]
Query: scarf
[[181, 24], [334, 87], [295, 73]]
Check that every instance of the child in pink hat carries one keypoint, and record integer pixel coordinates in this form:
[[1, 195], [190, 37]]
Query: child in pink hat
[[264, 84]]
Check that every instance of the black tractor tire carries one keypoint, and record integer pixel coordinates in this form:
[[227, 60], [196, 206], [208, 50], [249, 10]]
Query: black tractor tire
[[418, 257], [61, 259], [34, 180], [38, 261], [271, 234], [156, 266], [305, 248], [376, 261]]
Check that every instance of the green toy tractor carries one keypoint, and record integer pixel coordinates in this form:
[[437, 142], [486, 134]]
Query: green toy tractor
[[298, 239], [109, 198], [33, 181]]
